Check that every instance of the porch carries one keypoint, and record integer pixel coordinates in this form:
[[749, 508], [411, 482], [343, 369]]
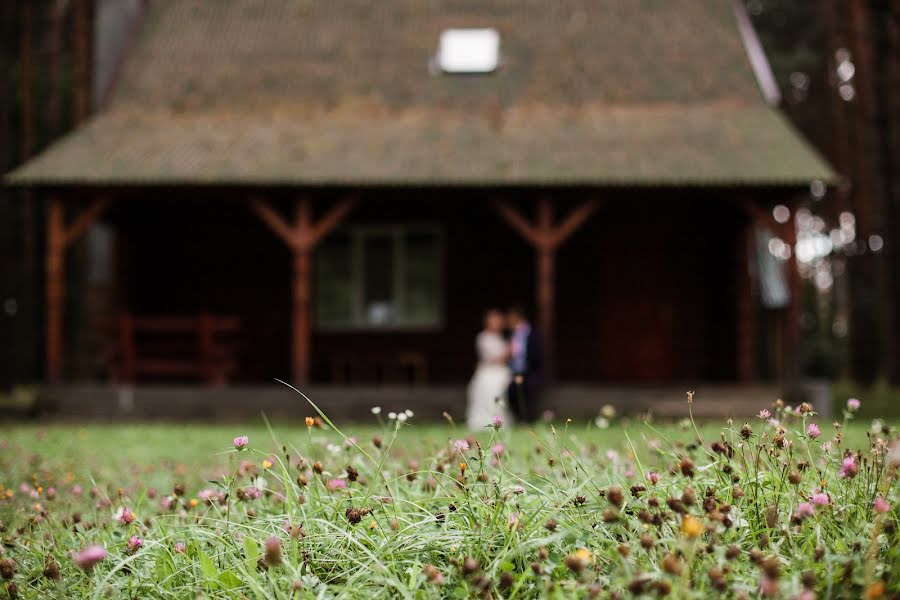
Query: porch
[[387, 287], [238, 403]]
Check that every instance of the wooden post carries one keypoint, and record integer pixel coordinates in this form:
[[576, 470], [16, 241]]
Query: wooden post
[[546, 237], [301, 237], [56, 256], [59, 237]]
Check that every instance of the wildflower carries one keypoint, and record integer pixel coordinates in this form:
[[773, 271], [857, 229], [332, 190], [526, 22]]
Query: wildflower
[[77, 490], [460, 446], [497, 449], [134, 544], [579, 560], [601, 423], [180, 547], [310, 422], [90, 556], [518, 490], [691, 526], [408, 413], [853, 404], [469, 566], [608, 411], [336, 484], [124, 516], [653, 477], [7, 568], [496, 422], [812, 430], [402, 417], [849, 468], [433, 575], [267, 464], [273, 551], [376, 410], [764, 415], [690, 397], [804, 510], [392, 416], [768, 587], [881, 505], [252, 492], [241, 441], [514, 521], [875, 590], [820, 499]]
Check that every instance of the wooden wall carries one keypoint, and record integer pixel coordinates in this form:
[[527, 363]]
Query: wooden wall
[[645, 290]]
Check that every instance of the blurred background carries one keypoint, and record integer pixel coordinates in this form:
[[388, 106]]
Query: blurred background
[[810, 295]]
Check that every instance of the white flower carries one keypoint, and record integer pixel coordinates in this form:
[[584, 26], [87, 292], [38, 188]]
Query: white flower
[[402, 417], [333, 448], [608, 411], [601, 422], [877, 426], [376, 410], [392, 415], [408, 413]]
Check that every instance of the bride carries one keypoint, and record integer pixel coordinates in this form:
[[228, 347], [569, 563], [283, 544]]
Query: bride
[[487, 390]]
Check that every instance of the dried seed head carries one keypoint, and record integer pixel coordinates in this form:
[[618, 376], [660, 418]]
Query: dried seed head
[[352, 474], [615, 496], [550, 525], [686, 465], [648, 541], [7, 568], [273, 551], [469, 566], [51, 570], [670, 564]]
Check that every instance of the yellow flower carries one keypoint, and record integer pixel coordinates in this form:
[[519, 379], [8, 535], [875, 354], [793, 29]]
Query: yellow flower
[[584, 555], [462, 467], [267, 463], [372, 524], [194, 503], [692, 527], [309, 422]]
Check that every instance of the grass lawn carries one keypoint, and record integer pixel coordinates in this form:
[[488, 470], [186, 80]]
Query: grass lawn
[[409, 510]]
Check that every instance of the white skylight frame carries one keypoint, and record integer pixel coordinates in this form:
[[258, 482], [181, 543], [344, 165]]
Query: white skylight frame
[[468, 51]]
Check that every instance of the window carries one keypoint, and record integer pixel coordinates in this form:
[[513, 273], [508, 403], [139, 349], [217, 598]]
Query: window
[[386, 277], [468, 51]]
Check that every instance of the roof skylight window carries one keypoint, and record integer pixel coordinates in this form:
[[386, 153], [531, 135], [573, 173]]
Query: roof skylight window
[[468, 50]]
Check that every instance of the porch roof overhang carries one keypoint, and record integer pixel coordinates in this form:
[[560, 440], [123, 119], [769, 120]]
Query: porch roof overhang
[[719, 143]]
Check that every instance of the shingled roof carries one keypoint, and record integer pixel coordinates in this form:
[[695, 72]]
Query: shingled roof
[[597, 92]]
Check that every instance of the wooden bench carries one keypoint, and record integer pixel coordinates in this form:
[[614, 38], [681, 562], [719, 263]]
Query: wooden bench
[[200, 347]]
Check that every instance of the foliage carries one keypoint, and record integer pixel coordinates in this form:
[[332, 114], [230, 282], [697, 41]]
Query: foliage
[[413, 511]]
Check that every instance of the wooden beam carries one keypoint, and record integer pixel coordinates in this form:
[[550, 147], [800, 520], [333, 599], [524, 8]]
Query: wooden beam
[[744, 306], [302, 236], [574, 220], [55, 266], [546, 237], [518, 222], [84, 220], [332, 219], [275, 222]]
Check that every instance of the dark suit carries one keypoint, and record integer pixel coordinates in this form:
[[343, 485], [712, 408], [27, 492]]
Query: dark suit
[[525, 387]]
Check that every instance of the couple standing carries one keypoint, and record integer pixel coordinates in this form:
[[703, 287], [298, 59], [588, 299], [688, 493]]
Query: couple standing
[[508, 375]]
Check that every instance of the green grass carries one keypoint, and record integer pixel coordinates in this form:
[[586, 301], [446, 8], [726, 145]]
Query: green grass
[[428, 528]]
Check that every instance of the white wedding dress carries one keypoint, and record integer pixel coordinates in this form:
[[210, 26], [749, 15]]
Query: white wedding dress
[[487, 390]]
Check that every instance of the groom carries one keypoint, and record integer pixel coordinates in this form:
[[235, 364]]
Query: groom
[[526, 362]]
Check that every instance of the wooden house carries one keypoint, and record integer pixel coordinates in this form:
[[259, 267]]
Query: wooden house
[[333, 193]]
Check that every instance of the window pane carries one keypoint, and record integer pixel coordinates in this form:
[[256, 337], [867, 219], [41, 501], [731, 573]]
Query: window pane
[[335, 290], [422, 288], [379, 302]]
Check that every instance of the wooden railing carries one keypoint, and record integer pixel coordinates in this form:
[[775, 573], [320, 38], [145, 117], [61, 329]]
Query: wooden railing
[[199, 347]]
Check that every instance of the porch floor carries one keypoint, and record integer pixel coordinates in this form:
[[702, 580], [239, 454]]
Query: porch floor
[[353, 403]]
